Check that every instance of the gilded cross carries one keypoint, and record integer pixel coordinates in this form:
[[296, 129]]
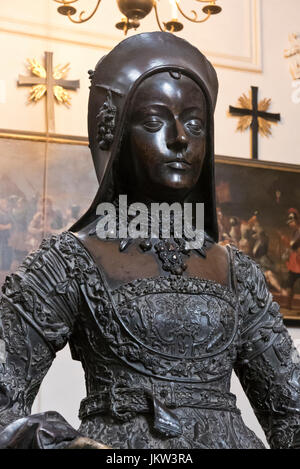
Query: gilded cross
[[50, 81], [254, 114], [294, 55]]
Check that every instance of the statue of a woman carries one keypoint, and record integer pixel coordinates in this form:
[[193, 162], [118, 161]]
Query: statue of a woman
[[158, 327]]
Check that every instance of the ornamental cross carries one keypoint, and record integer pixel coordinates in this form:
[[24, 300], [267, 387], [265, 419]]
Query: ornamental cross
[[293, 54], [254, 115], [50, 81]]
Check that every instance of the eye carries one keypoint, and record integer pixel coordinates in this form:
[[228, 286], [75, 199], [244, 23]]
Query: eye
[[195, 126], [153, 124]]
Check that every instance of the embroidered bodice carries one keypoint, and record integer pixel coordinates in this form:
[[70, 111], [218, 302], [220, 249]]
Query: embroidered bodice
[[158, 352]]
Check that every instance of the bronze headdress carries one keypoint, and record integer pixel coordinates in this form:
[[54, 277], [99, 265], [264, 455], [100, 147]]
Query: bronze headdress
[[113, 83]]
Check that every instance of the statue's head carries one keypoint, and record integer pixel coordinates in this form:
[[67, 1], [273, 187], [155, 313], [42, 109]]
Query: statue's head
[[165, 138], [151, 124]]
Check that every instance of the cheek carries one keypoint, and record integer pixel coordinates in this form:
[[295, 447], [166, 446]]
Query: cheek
[[197, 151], [141, 155], [147, 148]]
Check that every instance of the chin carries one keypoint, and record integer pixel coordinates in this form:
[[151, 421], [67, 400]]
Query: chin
[[176, 180], [179, 183], [173, 191]]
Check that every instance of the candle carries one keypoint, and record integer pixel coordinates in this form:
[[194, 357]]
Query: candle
[[174, 10]]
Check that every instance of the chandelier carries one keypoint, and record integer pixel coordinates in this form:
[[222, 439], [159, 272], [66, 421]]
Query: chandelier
[[136, 10]]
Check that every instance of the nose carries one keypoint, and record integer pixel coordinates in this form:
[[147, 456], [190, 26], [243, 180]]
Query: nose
[[178, 140]]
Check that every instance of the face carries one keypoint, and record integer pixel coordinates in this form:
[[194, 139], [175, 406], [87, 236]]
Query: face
[[292, 223], [167, 136]]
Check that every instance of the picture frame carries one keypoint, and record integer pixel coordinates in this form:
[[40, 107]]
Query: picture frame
[[254, 201], [42, 190]]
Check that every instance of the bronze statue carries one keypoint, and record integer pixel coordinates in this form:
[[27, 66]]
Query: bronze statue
[[159, 328]]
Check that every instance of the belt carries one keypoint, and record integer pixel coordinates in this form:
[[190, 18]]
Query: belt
[[124, 403]]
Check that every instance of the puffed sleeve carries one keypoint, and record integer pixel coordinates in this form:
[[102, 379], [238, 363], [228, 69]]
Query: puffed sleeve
[[268, 364], [38, 308]]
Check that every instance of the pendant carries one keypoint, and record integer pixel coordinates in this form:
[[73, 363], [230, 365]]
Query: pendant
[[171, 256], [171, 251]]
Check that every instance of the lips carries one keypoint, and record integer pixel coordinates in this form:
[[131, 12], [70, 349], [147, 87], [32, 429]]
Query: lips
[[179, 164]]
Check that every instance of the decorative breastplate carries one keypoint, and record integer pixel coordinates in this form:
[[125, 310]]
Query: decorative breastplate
[[176, 328]]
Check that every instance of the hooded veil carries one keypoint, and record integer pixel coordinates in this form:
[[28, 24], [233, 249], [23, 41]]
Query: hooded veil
[[113, 84]]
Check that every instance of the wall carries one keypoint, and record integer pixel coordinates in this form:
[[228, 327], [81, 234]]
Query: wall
[[246, 43]]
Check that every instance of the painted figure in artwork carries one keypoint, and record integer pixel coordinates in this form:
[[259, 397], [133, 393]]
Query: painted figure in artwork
[[158, 326], [293, 245]]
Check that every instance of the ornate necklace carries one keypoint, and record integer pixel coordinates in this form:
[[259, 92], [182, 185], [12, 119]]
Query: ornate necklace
[[171, 252]]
